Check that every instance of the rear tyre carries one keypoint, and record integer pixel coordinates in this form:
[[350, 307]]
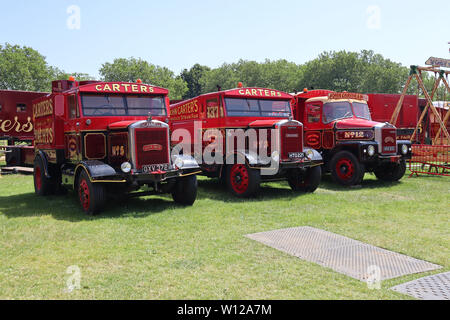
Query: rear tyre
[[391, 171], [92, 196], [43, 186], [305, 180], [346, 169], [185, 190], [243, 181]]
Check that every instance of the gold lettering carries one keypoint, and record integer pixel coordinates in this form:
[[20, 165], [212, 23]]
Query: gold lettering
[[98, 87], [143, 89], [134, 88], [116, 87], [126, 86], [107, 88]]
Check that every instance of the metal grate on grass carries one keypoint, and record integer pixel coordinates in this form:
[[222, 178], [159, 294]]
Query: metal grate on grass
[[435, 287], [344, 255]]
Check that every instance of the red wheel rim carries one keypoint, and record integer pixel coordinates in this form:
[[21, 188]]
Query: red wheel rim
[[83, 192], [37, 178], [239, 178], [345, 169]]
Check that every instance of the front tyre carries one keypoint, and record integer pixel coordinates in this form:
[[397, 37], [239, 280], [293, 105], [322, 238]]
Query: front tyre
[[92, 196], [346, 169], [185, 190], [243, 181], [43, 186], [391, 171], [305, 180]]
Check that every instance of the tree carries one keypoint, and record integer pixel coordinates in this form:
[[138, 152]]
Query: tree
[[280, 74], [23, 68], [363, 72], [131, 69], [79, 76], [192, 77]]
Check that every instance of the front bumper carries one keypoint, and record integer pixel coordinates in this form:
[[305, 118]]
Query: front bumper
[[377, 157]]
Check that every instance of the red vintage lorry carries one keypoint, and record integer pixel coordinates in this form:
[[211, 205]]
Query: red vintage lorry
[[107, 138], [382, 106], [251, 136], [339, 125]]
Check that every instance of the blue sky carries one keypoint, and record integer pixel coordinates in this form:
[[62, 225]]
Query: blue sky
[[178, 34]]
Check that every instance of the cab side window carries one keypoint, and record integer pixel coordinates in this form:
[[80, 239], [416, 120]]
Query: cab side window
[[313, 112], [73, 106]]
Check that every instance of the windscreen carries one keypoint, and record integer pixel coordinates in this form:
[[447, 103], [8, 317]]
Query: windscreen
[[257, 108], [336, 110], [95, 105], [361, 110]]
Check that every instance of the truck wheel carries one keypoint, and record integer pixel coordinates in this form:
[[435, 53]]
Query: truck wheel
[[185, 190], [391, 171], [346, 169], [92, 196], [43, 186], [306, 181], [243, 181]]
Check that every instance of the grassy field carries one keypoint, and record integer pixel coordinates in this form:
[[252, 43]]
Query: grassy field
[[150, 248]]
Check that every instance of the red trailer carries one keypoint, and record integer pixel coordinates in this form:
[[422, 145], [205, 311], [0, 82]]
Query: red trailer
[[16, 126], [382, 107]]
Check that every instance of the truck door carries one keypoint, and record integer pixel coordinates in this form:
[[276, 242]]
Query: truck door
[[312, 124], [72, 134]]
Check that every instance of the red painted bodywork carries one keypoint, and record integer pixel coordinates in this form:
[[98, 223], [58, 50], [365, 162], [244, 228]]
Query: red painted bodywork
[[16, 114], [382, 107], [53, 131], [320, 135], [209, 110]]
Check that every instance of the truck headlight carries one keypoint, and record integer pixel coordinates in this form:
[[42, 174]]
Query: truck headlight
[[275, 156], [125, 167], [179, 163], [404, 149], [371, 150], [309, 153]]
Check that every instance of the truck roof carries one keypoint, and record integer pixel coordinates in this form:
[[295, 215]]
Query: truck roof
[[250, 92], [107, 87]]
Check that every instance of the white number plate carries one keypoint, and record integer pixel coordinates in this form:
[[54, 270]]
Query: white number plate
[[155, 167], [296, 155]]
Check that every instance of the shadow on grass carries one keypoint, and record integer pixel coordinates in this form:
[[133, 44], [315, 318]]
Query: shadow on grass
[[214, 190], [328, 183], [66, 207]]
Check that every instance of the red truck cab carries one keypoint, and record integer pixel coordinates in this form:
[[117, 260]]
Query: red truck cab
[[105, 138], [340, 127], [261, 118]]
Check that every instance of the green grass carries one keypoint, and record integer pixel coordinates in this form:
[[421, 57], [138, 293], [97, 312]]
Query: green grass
[[150, 248]]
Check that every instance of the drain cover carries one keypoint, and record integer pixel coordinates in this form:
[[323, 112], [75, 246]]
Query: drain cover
[[350, 257], [436, 287]]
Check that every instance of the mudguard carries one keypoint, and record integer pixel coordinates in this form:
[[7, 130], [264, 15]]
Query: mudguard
[[187, 161], [43, 156], [98, 170], [314, 156]]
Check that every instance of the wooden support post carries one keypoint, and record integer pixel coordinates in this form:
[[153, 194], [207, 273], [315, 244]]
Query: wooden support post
[[424, 112], [400, 101], [447, 115], [436, 114]]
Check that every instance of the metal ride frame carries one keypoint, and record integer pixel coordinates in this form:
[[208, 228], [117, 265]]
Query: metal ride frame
[[435, 159]]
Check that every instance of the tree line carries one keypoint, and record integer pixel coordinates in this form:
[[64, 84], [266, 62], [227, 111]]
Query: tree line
[[23, 68]]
